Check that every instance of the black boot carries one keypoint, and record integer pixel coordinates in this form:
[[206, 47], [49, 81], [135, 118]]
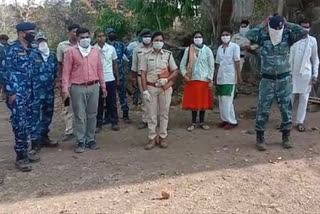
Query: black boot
[[36, 145], [23, 163], [47, 142], [125, 117], [286, 139], [260, 144]]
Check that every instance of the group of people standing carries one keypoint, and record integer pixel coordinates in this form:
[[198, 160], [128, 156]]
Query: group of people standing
[[91, 74]]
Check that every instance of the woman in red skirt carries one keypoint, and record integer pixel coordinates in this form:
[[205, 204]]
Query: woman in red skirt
[[197, 68]]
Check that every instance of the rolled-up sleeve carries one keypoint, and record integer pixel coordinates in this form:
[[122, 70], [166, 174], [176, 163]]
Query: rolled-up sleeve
[[254, 35], [236, 53]]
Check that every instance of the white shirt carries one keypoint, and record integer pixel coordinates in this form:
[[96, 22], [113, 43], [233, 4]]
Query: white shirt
[[226, 58], [108, 54], [304, 62]]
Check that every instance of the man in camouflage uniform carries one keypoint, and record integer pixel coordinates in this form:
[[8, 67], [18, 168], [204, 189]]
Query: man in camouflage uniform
[[121, 52], [44, 74], [275, 41], [18, 64]]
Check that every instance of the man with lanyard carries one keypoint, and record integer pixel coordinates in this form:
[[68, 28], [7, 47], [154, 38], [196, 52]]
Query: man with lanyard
[[17, 66], [121, 53], [67, 107], [138, 53], [44, 73], [275, 40], [304, 62]]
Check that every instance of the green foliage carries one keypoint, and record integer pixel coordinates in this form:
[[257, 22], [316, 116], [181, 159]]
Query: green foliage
[[111, 18], [160, 14]]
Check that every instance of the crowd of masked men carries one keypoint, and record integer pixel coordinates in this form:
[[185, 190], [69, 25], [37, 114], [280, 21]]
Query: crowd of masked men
[[91, 76]]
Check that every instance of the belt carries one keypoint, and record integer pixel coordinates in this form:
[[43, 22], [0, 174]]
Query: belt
[[275, 77], [242, 56], [139, 75], [153, 84], [87, 83]]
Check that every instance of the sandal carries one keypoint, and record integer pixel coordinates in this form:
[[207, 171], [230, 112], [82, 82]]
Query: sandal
[[301, 128], [204, 126], [191, 128]]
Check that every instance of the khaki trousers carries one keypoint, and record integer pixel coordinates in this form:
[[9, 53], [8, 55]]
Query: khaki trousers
[[144, 104], [68, 118], [159, 105], [85, 107]]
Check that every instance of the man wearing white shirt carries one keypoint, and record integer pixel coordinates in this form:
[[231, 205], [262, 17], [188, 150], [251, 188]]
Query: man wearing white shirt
[[107, 110], [228, 59], [304, 63]]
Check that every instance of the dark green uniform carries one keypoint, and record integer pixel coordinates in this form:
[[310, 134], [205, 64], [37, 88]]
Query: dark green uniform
[[276, 82]]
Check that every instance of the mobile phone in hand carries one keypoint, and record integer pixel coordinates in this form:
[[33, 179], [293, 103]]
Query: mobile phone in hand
[[67, 102]]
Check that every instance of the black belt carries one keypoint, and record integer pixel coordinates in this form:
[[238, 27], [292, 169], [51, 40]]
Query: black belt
[[275, 77], [87, 83], [242, 56], [139, 75]]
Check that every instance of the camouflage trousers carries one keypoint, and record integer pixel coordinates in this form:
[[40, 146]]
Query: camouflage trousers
[[122, 90], [21, 116], [42, 113], [281, 91]]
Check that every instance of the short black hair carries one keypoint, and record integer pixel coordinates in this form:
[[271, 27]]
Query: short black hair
[[82, 31], [227, 29], [157, 33], [4, 37], [73, 26], [244, 21], [99, 31], [305, 21], [197, 32]]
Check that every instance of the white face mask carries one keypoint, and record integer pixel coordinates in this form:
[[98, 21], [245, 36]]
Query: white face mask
[[307, 29], [44, 48], [158, 45], [225, 39], [244, 30], [198, 41], [85, 43], [275, 35], [146, 40]]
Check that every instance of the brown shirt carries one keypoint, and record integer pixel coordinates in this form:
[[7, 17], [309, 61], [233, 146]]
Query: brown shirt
[[154, 64]]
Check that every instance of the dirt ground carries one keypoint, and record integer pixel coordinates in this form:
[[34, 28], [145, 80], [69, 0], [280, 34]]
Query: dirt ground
[[208, 172]]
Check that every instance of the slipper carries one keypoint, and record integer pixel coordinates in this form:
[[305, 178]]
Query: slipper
[[301, 128], [204, 126], [191, 128]]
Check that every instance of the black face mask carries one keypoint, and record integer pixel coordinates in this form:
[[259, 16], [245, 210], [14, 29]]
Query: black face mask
[[29, 37], [112, 37]]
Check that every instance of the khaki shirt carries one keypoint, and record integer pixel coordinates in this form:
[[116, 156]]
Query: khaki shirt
[[241, 41], [155, 64], [138, 52], [62, 50]]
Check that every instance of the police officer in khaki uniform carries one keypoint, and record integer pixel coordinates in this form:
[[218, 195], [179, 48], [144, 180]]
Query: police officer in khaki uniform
[[138, 52], [158, 71]]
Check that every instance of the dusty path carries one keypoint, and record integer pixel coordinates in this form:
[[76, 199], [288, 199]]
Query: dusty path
[[210, 172]]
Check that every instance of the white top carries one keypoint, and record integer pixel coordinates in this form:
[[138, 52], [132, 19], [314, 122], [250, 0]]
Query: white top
[[304, 62], [108, 54], [226, 58]]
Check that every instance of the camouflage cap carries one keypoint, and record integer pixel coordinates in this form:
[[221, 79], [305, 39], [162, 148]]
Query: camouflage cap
[[41, 35]]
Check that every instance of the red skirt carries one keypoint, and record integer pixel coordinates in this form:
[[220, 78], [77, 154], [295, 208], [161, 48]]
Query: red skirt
[[197, 96]]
